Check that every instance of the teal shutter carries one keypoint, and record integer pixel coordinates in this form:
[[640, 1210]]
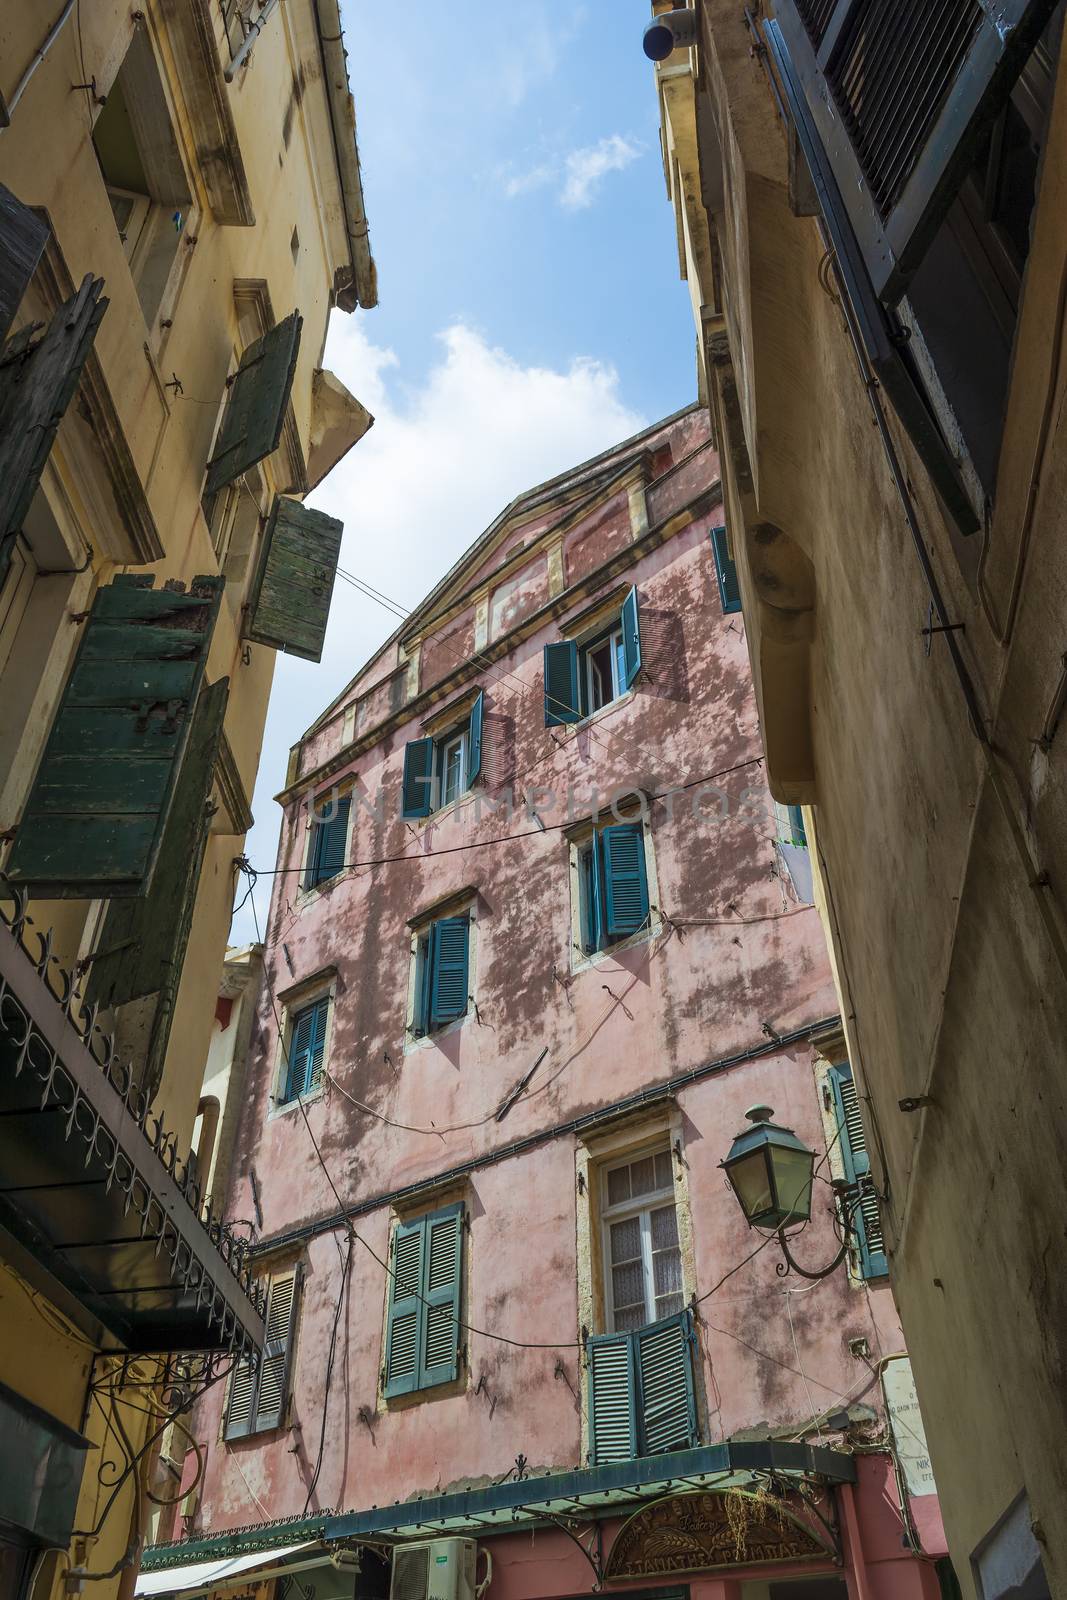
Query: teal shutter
[[726, 572], [329, 842], [796, 825], [307, 1046], [562, 699], [449, 959], [255, 411], [289, 603], [631, 639], [404, 1332], [625, 886], [99, 803], [418, 779], [612, 1398], [474, 740], [443, 1273], [666, 1404], [866, 1216], [275, 1364]]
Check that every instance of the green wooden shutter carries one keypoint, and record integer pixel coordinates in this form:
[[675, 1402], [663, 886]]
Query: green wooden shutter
[[631, 639], [276, 1361], [418, 779], [625, 885], [96, 812], [449, 963], [307, 1046], [329, 845], [255, 411], [240, 1408], [612, 1398], [866, 1216], [725, 571], [289, 602], [23, 236], [474, 741], [562, 698], [443, 1274], [666, 1404], [404, 1333]]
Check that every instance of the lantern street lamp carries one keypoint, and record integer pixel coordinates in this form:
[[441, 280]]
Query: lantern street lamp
[[771, 1172]]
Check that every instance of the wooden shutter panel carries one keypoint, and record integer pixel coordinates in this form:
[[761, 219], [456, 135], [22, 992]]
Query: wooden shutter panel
[[276, 1360], [663, 1360], [99, 803], [866, 1216], [449, 961], [562, 699], [631, 639], [329, 844], [406, 1310], [418, 779], [443, 1273], [307, 1046], [726, 572], [474, 741], [23, 236], [255, 411], [625, 886], [289, 603], [242, 1402], [612, 1399]]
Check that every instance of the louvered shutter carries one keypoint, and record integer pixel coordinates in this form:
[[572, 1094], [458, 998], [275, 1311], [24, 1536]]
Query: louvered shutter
[[418, 779], [99, 803], [289, 603], [307, 1049], [663, 1360], [443, 1272], [255, 411], [725, 571], [406, 1310], [23, 236], [562, 700], [625, 886], [612, 1398], [276, 1360], [474, 740], [242, 1402], [329, 843], [631, 639], [449, 961], [866, 1216]]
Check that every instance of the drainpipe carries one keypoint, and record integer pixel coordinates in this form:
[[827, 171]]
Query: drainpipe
[[49, 40], [847, 1492], [254, 31], [360, 286]]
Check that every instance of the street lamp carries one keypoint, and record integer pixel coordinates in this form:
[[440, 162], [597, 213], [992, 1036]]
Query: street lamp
[[771, 1172]]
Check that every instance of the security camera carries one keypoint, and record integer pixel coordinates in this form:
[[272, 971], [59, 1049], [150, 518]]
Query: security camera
[[671, 30]]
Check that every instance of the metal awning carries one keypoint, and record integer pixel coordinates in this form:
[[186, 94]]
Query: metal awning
[[202, 1576], [95, 1207]]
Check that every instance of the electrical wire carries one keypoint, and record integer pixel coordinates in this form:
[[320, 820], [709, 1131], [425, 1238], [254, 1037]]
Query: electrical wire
[[345, 1269]]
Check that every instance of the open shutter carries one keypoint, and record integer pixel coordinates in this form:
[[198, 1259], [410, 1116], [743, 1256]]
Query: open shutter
[[255, 411], [23, 236], [666, 1407], [625, 886], [95, 816], [631, 639], [901, 104], [276, 1360], [725, 571], [866, 1217], [474, 741], [242, 1402], [449, 958], [443, 1272], [329, 843], [562, 700], [404, 1339], [289, 603], [418, 779], [612, 1398]]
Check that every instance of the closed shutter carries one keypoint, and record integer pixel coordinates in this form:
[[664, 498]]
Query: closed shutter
[[307, 1049], [443, 1269], [474, 740], [664, 1366], [289, 603], [449, 962], [625, 886], [276, 1360], [866, 1216], [417, 800], [255, 411], [94, 819], [725, 571], [406, 1310], [562, 700], [242, 1401], [329, 844], [631, 639], [612, 1399], [23, 236]]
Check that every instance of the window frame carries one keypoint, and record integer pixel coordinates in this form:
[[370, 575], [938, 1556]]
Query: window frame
[[641, 1207], [584, 952], [420, 1029], [612, 637], [457, 737], [294, 1005]]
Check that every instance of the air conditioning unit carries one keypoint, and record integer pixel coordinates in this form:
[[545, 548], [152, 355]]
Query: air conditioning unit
[[434, 1569]]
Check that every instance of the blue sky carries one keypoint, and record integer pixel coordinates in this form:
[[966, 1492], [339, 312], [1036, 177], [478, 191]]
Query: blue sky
[[531, 312]]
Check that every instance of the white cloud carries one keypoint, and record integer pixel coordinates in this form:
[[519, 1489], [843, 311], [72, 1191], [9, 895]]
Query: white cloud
[[522, 182], [445, 455], [586, 169]]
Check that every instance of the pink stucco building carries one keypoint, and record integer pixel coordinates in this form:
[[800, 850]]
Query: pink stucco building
[[537, 941]]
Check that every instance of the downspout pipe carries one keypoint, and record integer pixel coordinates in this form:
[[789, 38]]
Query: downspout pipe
[[359, 287], [49, 40], [254, 31]]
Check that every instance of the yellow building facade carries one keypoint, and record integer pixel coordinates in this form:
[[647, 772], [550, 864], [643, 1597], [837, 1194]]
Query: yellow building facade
[[180, 210], [872, 225]]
